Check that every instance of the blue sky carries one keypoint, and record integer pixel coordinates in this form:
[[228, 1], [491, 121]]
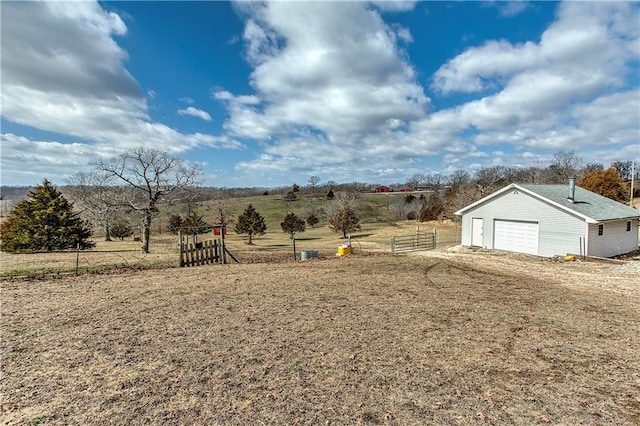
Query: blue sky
[[268, 94]]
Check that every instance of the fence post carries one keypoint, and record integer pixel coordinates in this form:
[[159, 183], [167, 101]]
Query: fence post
[[181, 248], [222, 250], [77, 256]]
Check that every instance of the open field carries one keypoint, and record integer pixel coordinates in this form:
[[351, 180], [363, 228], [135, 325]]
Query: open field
[[436, 338], [274, 245]]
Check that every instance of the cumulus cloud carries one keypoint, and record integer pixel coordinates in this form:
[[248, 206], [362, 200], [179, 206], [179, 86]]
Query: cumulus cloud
[[195, 112], [330, 82], [559, 93], [564, 91], [63, 72], [587, 38], [332, 92], [25, 160]]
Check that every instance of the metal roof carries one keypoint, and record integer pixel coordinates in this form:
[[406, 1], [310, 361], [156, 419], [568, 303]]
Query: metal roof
[[588, 205]]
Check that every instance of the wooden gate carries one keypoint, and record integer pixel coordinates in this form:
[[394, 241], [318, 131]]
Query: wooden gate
[[416, 242], [202, 253]]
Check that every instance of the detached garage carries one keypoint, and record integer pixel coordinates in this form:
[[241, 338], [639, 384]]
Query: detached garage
[[549, 220]]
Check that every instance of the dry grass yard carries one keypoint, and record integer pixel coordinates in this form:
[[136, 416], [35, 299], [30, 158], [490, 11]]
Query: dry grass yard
[[440, 338], [274, 245]]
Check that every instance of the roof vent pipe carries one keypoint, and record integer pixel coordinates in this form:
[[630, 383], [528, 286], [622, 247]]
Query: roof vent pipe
[[572, 190]]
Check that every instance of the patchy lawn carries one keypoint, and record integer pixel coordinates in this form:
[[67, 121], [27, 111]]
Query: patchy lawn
[[367, 339]]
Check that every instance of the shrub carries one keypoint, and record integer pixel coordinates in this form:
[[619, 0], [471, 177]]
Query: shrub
[[121, 229], [432, 213], [312, 221]]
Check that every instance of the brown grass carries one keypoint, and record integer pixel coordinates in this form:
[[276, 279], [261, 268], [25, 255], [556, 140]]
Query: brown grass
[[274, 245], [367, 339]]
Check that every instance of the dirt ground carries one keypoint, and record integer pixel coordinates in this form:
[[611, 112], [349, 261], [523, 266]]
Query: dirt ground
[[436, 338]]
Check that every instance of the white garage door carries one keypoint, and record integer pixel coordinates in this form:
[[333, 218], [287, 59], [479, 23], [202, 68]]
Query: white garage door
[[521, 237]]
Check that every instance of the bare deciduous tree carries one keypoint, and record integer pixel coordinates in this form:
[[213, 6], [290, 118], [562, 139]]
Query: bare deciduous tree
[[96, 196], [565, 164], [221, 205], [150, 175], [313, 182], [489, 179]]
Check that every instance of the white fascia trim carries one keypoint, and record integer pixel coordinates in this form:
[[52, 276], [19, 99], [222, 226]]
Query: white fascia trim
[[482, 200]]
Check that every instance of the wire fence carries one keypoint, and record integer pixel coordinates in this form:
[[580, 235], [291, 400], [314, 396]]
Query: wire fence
[[165, 252], [162, 253]]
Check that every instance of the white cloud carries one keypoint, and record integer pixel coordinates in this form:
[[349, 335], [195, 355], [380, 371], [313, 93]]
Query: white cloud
[[565, 92], [80, 86], [195, 112], [546, 98], [404, 34], [332, 93], [587, 38], [72, 45], [513, 7], [331, 67], [319, 105], [394, 5], [24, 160]]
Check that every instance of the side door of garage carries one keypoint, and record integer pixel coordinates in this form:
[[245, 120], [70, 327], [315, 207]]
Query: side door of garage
[[520, 237], [477, 232]]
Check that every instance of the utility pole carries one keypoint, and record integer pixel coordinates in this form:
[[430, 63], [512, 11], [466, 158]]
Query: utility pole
[[633, 174]]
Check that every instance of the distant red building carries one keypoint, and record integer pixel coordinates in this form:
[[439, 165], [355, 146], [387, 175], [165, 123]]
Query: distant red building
[[383, 188]]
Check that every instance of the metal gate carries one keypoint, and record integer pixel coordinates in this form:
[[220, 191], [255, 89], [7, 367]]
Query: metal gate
[[416, 242]]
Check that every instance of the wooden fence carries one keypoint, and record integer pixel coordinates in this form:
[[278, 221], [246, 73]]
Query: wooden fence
[[416, 242], [202, 253]]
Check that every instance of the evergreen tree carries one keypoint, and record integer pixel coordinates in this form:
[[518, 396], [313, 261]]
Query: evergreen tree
[[312, 220], [292, 225], [409, 198], [290, 196], [194, 224], [175, 223], [345, 220], [121, 229], [250, 222], [45, 221]]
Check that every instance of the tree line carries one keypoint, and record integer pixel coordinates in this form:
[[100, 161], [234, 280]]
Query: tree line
[[135, 182]]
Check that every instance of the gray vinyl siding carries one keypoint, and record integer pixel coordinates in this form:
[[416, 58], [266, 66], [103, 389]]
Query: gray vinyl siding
[[560, 232], [615, 240]]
